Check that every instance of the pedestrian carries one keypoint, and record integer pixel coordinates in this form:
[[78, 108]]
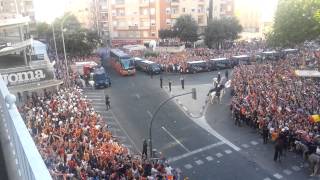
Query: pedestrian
[[265, 134], [19, 97], [161, 79], [107, 102], [182, 82], [151, 73], [145, 148], [219, 78], [278, 148], [170, 85], [227, 74]]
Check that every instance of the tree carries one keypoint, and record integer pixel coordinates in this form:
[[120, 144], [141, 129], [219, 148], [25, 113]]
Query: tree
[[186, 28], [166, 33], [219, 31], [78, 40], [295, 22]]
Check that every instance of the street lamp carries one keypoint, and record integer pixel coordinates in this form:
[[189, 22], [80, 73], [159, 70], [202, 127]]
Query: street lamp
[[54, 42], [194, 96]]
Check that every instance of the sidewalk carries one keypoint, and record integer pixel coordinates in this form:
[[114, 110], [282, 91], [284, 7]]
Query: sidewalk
[[194, 108]]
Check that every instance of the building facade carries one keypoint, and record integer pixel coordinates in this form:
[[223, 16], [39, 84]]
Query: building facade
[[11, 8], [137, 21]]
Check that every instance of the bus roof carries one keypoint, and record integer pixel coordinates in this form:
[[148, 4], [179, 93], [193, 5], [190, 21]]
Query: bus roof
[[119, 53], [195, 62], [269, 52], [92, 63], [147, 62], [290, 50], [307, 73], [241, 56], [218, 59]]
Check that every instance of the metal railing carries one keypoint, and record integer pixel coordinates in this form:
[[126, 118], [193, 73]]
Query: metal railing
[[22, 158]]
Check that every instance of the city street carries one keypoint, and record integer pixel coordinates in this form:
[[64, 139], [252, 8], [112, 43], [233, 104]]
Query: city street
[[206, 148]]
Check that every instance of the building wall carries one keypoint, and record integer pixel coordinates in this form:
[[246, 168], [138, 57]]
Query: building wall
[[8, 9]]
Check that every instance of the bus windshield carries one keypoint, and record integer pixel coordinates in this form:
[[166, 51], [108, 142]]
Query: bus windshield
[[127, 63]]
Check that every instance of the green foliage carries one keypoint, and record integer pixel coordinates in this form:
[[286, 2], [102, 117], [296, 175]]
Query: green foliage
[[166, 33], [78, 40], [220, 30], [186, 28], [295, 22]]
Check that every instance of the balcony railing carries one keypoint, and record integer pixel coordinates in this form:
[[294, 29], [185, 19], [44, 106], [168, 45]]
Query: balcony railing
[[22, 159]]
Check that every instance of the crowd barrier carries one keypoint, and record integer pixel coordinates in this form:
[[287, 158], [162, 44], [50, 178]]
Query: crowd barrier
[[22, 158]]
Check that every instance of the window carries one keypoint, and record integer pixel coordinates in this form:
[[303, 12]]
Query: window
[[167, 10], [184, 10], [153, 22], [168, 21], [175, 10], [193, 10], [153, 34], [152, 11], [200, 20]]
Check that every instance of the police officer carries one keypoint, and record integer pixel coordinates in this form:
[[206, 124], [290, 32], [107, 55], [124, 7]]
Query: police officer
[[227, 74], [145, 148], [161, 79], [107, 102], [170, 85], [219, 78]]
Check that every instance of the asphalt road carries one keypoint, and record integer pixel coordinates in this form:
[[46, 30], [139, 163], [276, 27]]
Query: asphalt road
[[199, 154]]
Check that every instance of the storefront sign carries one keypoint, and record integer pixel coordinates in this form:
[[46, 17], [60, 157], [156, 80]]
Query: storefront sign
[[23, 77]]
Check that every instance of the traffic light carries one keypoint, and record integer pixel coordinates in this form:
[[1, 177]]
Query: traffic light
[[194, 94]]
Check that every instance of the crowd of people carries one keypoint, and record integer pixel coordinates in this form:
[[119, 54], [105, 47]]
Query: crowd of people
[[75, 142], [273, 99]]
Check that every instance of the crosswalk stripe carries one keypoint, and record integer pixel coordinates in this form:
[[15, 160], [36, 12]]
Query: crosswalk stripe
[[199, 162], [188, 166], [287, 171], [219, 155], [228, 151], [254, 142], [245, 145], [295, 168], [267, 178], [278, 176], [209, 158]]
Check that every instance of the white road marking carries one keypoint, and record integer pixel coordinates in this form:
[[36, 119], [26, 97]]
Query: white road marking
[[228, 151], [287, 171], [174, 138], [132, 142], [209, 158], [203, 124], [98, 103], [138, 96], [188, 166], [278, 176], [195, 152], [219, 155], [184, 108], [267, 178], [295, 168], [245, 145], [199, 162], [254, 143], [150, 114]]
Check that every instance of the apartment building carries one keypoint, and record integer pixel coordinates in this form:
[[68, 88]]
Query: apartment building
[[11, 8], [136, 21]]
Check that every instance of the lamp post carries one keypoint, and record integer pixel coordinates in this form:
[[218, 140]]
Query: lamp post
[[54, 42], [194, 96]]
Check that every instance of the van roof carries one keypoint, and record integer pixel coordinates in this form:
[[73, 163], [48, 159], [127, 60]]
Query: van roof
[[241, 56], [218, 59], [195, 62], [269, 52], [147, 62]]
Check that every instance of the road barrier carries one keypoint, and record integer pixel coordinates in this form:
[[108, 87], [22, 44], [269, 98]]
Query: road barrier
[[22, 159]]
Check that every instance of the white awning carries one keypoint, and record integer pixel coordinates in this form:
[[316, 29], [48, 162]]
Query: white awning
[[307, 73], [15, 47], [5, 23]]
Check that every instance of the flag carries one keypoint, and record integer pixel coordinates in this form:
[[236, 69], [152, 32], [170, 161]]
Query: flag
[[315, 118]]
